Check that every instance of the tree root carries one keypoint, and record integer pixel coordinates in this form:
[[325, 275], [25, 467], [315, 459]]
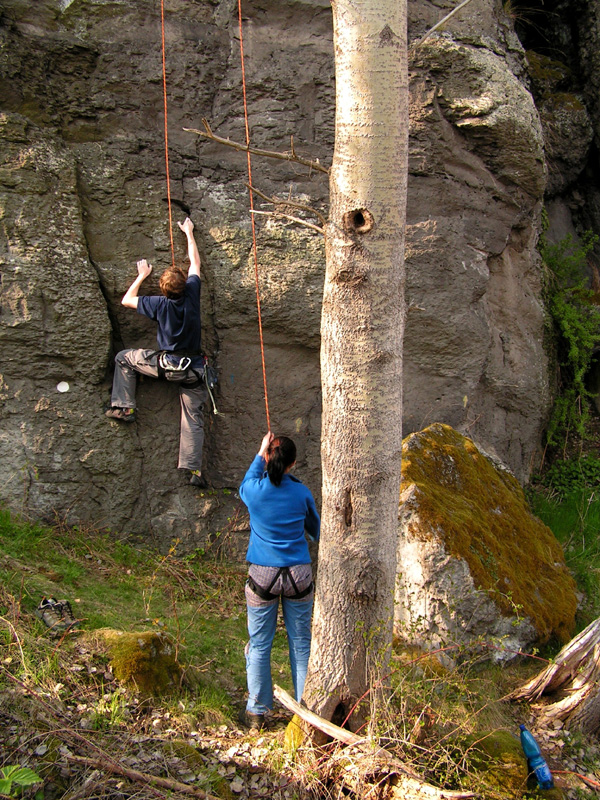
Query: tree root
[[404, 782]]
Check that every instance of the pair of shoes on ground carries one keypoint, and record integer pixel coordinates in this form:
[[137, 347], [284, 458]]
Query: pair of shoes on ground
[[56, 614], [197, 479], [254, 722], [121, 414]]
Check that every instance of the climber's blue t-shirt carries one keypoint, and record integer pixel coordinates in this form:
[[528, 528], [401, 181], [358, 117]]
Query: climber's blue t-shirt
[[178, 320]]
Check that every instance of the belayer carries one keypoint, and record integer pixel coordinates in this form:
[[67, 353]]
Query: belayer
[[177, 314], [281, 510]]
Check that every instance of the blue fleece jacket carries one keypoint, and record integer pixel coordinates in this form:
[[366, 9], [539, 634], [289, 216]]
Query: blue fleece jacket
[[278, 517]]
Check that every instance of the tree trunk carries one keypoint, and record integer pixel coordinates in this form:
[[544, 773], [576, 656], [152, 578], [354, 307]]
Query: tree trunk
[[361, 359], [573, 679]]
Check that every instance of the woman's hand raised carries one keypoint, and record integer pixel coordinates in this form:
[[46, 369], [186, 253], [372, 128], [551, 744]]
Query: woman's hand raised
[[267, 439]]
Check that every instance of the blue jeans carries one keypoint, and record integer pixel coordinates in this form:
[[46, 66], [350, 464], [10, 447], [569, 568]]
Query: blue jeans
[[262, 622]]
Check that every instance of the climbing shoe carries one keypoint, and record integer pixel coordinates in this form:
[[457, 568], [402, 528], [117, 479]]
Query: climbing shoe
[[197, 479], [67, 620], [49, 612], [122, 414]]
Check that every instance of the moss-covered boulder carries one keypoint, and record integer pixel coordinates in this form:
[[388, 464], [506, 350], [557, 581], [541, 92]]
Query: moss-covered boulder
[[145, 660], [474, 564], [496, 760]]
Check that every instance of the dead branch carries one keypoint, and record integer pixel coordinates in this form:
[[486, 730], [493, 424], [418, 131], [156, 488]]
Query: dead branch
[[281, 215], [291, 156], [66, 732], [15, 637], [142, 777], [441, 22], [574, 678], [409, 785], [291, 203]]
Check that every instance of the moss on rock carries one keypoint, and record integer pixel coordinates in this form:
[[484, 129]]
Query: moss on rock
[[498, 759], [143, 660], [294, 734], [480, 515], [500, 764]]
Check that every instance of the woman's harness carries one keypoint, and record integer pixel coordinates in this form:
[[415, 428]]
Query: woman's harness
[[285, 574]]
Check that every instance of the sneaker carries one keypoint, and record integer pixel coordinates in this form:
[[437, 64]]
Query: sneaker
[[56, 615], [198, 479], [68, 621], [122, 414], [49, 612]]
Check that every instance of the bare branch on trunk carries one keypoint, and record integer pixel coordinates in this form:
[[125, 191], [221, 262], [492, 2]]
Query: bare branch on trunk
[[291, 156], [276, 201], [281, 215]]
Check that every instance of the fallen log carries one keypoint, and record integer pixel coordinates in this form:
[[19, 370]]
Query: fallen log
[[407, 784], [574, 679], [142, 777]]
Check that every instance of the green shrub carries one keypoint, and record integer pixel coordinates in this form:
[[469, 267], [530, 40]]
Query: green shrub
[[573, 475], [575, 318]]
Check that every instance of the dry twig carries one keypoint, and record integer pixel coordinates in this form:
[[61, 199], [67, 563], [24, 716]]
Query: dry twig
[[441, 22], [291, 156], [142, 777]]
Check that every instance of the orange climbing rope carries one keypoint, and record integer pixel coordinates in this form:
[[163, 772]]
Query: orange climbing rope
[[164, 72], [254, 246]]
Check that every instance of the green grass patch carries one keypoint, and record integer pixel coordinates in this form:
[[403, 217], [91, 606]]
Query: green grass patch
[[113, 584], [574, 518]]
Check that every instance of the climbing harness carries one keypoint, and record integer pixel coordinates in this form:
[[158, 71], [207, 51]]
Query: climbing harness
[[285, 574]]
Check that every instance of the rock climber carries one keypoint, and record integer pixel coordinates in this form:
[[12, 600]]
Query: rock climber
[[177, 314], [281, 510]]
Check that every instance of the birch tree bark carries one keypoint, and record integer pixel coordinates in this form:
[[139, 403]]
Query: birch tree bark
[[361, 360]]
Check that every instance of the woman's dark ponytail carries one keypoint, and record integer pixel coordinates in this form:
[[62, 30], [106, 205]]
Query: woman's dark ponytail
[[282, 454]]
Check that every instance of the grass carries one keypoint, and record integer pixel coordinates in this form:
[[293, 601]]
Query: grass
[[110, 583], [574, 518]]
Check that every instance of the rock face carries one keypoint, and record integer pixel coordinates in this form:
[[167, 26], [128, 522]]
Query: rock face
[[473, 562], [83, 189]]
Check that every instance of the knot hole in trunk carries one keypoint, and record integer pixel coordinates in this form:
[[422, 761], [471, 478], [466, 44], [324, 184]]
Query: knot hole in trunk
[[358, 221]]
